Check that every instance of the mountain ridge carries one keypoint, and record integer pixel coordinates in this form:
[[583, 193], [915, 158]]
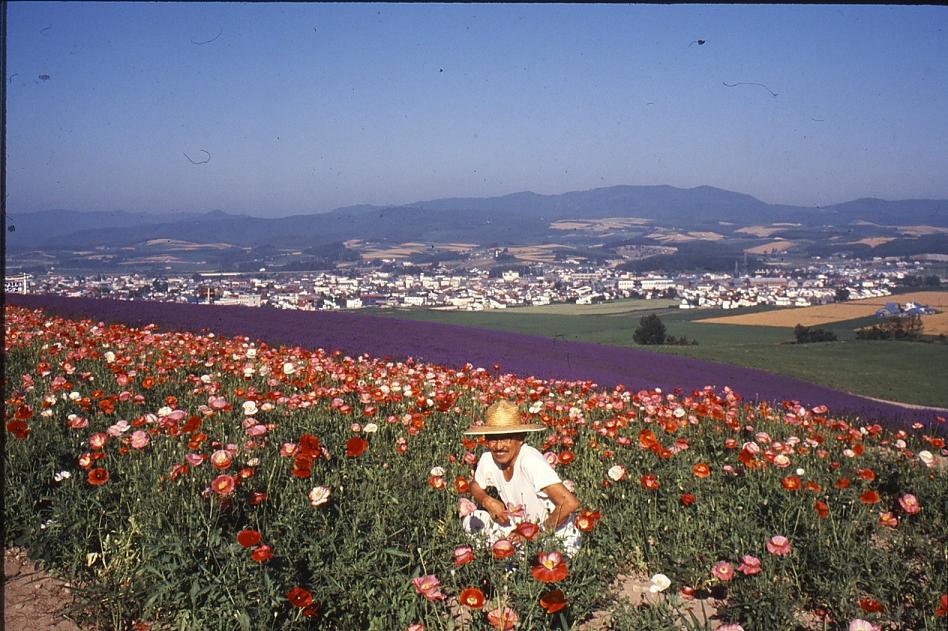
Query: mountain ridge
[[516, 218]]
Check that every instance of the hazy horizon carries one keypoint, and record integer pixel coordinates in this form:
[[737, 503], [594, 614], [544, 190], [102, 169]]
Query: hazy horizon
[[273, 110]]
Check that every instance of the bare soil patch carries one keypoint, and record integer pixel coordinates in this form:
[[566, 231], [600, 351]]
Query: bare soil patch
[[32, 599]]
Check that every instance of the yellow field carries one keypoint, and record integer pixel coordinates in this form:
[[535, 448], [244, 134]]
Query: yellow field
[[773, 246], [874, 241], [598, 225], [537, 253], [759, 231], [839, 312]]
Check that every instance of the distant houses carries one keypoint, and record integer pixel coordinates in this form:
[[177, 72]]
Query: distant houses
[[894, 310]]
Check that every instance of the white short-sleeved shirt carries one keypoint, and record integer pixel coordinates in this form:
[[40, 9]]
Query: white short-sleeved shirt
[[531, 474]]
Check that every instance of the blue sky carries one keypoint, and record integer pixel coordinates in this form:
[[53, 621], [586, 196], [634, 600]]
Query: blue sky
[[307, 107]]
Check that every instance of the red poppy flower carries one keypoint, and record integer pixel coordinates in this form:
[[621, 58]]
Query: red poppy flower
[[261, 553], [312, 611], [248, 538], [98, 476], [308, 446], [687, 499], [23, 413], [553, 601], [436, 482], [842, 483], [527, 530], [565, 457], [19, 429], [192, 424], [550, 567], [871, 605], [866, 474], [869, 497], [822, 509], [223, 484], [586, 520], [650, 482], [701, 470], [356, 446], [791, 483], [472, 597], [502, 549], [256, 498], [299, 597], [810, 485], [461, 485], [148, 383], [942, 610], [746, 457], [647, 439]]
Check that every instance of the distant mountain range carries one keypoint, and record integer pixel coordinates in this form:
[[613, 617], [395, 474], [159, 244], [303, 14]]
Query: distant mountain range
[[519, 218]]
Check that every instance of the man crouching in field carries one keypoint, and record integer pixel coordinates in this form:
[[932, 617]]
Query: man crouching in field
[[529, 487]]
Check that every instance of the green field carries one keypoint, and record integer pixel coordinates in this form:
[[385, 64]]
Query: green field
[[910, 372]]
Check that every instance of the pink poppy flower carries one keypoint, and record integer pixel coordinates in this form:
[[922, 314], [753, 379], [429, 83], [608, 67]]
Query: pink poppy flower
[[463, 555], [118, 429], [503, 618], [858, 624], [465, 507], [140, 439], [515, 511], [98, 440], [749, 565], [221, 459], [909, 504], [428, 586], [779, 546], [723, 571], [888, 519], [194, 459]]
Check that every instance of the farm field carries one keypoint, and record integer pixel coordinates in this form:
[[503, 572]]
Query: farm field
[[821, 315], [198, 481], [910, 372]]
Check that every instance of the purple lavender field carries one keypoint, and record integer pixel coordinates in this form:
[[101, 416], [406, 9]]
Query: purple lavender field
[[453, 346]]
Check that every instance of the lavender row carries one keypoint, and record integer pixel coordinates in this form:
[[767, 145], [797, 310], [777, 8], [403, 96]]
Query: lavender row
[[453, 346]]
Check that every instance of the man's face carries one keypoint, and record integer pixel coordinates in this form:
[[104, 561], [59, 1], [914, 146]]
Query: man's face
[[504, 449]]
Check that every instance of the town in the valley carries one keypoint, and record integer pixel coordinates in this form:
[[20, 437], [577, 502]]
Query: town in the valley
[[394, 283]]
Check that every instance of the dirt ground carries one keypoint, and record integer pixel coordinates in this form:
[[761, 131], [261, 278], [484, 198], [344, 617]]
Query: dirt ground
[[32, 600]]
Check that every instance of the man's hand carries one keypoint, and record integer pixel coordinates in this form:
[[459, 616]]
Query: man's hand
[[497, 510]]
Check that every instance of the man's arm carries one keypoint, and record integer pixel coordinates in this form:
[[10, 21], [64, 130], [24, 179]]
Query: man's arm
[[565, 505], [496, 508]]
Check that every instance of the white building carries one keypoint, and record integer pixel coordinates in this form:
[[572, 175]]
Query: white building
[[18, 284]]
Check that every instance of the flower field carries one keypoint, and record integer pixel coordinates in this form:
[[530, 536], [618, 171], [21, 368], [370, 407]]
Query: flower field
[[455, 346], [184, 480]]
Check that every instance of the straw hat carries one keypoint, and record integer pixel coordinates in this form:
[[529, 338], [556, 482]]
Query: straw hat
[[503, 417]]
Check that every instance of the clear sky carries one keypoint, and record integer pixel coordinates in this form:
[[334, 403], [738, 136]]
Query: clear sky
[[306, 107]]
